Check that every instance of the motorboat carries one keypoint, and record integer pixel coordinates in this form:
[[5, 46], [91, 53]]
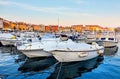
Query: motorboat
[[33, 49], [27, 37], [108, 42], [8, 39], [69, 51], [109, 39], [89, 40], [49, 37], [81, 38], [90, 37]]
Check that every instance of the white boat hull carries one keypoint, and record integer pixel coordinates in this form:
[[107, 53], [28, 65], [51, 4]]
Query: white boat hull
[[70, 56], [8, 42], [34, 49], [108, 44], [36, 53]]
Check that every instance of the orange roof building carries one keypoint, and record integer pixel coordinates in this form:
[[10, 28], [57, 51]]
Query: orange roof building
[[77, 28]]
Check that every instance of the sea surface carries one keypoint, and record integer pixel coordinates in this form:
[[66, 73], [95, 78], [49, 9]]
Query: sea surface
[[15, 65]]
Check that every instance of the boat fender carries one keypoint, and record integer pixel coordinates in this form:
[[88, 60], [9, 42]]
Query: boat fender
[[82, 54], [99, 52], [13, 37]]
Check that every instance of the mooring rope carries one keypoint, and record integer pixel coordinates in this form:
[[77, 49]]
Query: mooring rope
[[59, 71]]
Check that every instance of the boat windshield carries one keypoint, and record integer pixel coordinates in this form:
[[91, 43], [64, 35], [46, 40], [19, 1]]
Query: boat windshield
[[102, 38], [110, 38]]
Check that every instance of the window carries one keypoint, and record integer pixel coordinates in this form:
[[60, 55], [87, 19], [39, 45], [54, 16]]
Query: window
[[102, 38], [110, 38]]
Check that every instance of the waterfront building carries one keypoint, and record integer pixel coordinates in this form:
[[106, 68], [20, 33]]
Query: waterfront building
[[77, 28], [51, 28], [21, 26], [93, 28], [65, 29], [9, 25], [6, 25], [54, 28], [13, 25], [47, 29], [1, 23]]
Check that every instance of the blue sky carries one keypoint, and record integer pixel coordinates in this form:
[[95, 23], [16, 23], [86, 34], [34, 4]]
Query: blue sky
[[70, 12]]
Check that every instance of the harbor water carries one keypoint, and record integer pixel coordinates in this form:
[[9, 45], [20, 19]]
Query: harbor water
[[15, 65]]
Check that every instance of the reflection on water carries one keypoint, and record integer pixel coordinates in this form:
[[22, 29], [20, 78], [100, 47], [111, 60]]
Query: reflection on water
[[37, 64], [75, 69], [11, 50]]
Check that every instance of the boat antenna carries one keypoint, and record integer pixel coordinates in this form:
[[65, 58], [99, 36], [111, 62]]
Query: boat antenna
[[58, 21]]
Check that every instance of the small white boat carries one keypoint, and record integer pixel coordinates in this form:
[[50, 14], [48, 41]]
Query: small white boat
[[8, 39], [81, 38], [49, 37], [90, 38], [69, 51], [109, 39], [109, 42], [33, 49]]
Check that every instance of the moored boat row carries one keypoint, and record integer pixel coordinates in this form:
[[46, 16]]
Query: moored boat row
[[62, 48]]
